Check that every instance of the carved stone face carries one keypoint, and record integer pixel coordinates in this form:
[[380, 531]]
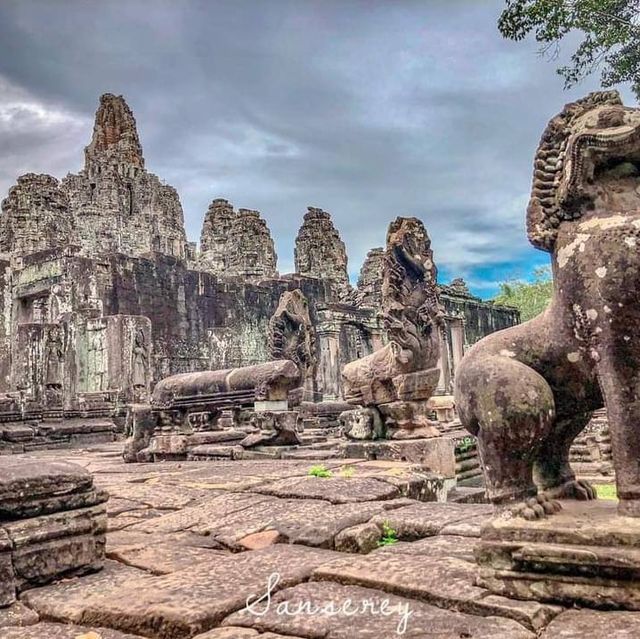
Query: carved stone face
[[604, 148], [588, 159]]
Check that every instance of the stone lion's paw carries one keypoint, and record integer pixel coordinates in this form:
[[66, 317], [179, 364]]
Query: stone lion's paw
[[574, 489], [537, 507]]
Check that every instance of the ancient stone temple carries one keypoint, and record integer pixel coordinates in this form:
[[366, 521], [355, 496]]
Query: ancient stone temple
[[103, 296]]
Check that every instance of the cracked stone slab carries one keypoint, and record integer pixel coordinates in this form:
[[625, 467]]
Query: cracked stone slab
[[423, 621], [241, 474], [212, 510], [131, 518], [117, 506], [335, 489], [241, 633], [164, 558], [64, 600], [580, 624], [468, 528], [119, 540], [163, 496], [423, 519], [443, 581], [17, 615], [437, 546], [48, 630], [187, 602], [234, 516]]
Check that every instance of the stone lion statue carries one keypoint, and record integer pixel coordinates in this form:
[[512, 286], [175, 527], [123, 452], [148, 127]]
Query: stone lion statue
[[528, 391]]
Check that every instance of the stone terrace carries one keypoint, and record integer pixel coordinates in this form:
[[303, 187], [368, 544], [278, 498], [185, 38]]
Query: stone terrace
[[189, 542]]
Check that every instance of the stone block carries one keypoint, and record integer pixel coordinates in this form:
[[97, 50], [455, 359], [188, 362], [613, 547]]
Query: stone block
[[7, 577], [17, 615], [362, 424], [168, 447], [57, 544], [585, 554], [52, 523], [358, 539], [274, 406], [416, 386]]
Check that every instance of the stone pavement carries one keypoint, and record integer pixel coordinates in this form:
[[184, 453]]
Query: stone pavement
[[189, 542]]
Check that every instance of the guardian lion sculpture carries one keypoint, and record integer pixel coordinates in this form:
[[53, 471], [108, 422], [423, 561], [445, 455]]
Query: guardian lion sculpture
[[528, 391]]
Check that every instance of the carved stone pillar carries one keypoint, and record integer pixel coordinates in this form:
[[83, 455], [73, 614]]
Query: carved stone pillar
[[457, 342], [328, 335], [444, 363]]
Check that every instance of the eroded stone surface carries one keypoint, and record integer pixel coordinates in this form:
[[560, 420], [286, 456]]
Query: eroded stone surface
[[184, 603], [337, 490], [438, 546], [424, 619], [443, 581], [577, 624], [60, 631], [64, 601], [17, 615], [426, 519], [163, 558]]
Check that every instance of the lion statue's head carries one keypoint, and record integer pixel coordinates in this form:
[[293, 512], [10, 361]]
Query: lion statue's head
[[587, 154]]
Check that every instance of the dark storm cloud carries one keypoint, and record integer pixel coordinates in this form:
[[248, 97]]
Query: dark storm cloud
[[367, 109]]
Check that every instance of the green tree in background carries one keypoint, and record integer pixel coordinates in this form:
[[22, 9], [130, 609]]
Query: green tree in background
[[530, 298], [610, 30]]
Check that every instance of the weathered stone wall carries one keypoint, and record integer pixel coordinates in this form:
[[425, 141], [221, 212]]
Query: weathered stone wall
[[480, 317], [210, 323]]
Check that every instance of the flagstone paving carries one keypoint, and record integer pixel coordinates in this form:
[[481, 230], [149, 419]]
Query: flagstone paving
[[190, 544]]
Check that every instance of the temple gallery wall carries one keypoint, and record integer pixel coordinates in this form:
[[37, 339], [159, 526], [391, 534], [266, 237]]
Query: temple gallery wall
[[102, 295]]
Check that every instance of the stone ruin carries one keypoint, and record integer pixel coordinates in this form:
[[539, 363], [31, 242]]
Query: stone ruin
[[103, 296], [528, 392], [188, 546]]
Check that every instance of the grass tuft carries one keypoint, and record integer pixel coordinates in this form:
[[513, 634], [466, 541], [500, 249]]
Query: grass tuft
[[319, 471]]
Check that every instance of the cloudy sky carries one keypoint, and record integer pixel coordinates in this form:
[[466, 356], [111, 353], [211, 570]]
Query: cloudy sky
[[368, 109]]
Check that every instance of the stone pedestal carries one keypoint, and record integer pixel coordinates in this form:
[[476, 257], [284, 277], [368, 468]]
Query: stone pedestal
[[52, 524], [585, 555], [275, 429]]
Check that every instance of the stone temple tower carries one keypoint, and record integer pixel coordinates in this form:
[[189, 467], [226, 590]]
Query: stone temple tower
[[119, 207], [319, 251], [215, 236], [236, 243], [35, 216], [370, 279]]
